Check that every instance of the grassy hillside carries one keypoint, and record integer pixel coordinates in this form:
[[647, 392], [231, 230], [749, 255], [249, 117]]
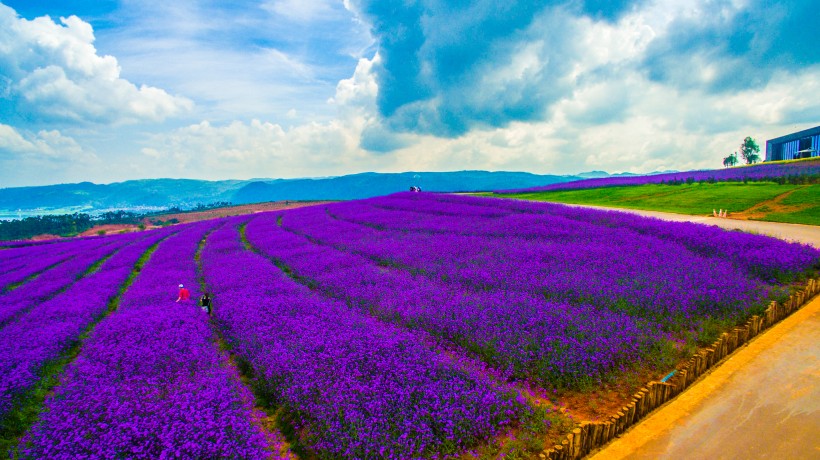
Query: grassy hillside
[[768, 201]]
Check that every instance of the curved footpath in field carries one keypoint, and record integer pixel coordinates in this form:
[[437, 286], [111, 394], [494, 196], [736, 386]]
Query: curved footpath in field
[[806, 234]]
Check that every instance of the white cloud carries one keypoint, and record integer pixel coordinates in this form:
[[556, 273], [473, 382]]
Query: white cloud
[[253, 149], [239, 60], [628, 123], [43, 157], [586, 98], [44, 144], [361, 89], [53, 71]]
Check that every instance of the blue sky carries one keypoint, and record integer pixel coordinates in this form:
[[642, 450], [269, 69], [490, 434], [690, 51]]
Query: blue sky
[[112, 90]]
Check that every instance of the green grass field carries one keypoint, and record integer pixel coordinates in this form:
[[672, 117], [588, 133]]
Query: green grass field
[[807, 198], [757, 201]]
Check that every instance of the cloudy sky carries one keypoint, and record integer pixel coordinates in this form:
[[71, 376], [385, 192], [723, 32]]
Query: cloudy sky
[[111, 90]]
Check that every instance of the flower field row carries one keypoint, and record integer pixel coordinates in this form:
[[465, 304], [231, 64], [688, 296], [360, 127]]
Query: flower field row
[[23, 263], [608, 269], [660, 275], [149, 381], [59, 321], [516, 332], [352, 386], [56, 278], [760, 172], [762, 257]]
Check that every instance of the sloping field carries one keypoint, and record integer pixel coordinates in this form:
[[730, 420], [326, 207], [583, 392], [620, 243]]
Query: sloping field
[[781, 191], [408, 326], [768, 201], [803, 171]]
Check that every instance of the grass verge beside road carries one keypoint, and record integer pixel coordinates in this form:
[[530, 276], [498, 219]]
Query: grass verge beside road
[[799, 204]]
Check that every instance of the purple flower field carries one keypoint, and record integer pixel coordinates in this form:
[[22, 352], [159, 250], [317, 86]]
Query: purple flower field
[[760, 172], [356, 387], [60, 320], [402, 326], [150, 382]]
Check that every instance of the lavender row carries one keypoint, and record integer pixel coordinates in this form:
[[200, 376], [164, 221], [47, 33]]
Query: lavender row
[[518, 333], [354, 387], [149, 381], [24, 263], [55, 325], [765, 258], [768, 258], [761, 172], [55, 279], [11, 248], [607, 269]]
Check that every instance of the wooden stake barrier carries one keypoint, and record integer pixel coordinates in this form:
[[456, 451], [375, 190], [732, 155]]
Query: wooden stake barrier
[[589, 436]]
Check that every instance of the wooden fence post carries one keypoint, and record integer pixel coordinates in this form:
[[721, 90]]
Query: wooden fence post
[[589, 436]]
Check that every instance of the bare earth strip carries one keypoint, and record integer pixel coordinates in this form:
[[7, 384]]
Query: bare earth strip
[[807, 234]]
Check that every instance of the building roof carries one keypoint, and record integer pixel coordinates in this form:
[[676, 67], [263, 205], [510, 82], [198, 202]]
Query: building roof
[[795, 136]]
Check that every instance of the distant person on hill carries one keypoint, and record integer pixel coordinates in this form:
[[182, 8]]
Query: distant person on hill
[[184, 294], [205, 301]]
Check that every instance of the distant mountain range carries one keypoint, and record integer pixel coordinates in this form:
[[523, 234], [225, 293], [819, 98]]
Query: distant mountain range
[[155, 194]]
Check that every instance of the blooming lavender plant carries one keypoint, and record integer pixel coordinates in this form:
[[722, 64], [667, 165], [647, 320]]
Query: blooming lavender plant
[[766, 258], [149, 382], [59, 321], [518, 333], [351, 386], [22, 263], [384, 247], [588, 272], [59, 277], [351, 355]]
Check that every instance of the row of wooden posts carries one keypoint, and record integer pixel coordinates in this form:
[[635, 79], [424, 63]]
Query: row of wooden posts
[[588, 436]]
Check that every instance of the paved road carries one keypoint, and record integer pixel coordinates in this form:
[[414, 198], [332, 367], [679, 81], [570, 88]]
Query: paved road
[[763, 402], [808, 234]]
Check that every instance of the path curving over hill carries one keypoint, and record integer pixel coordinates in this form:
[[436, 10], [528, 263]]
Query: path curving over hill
[[806, 234]]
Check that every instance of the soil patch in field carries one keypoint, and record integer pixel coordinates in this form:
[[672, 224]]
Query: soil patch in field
[[604, 401], [110, 229], [45, 237], [186, 217], [775, 205]]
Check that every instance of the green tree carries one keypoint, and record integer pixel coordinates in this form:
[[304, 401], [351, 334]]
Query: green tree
[[731, 160], [749, 151]]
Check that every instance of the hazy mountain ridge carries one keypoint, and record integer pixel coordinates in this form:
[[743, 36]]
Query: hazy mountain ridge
[[187, 193]]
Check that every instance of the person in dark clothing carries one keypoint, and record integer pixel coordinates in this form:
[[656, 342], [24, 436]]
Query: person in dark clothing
[[205, 301]]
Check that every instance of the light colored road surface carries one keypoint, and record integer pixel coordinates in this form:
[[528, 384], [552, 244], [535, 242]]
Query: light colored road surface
[[808, 234], [763, 402]]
